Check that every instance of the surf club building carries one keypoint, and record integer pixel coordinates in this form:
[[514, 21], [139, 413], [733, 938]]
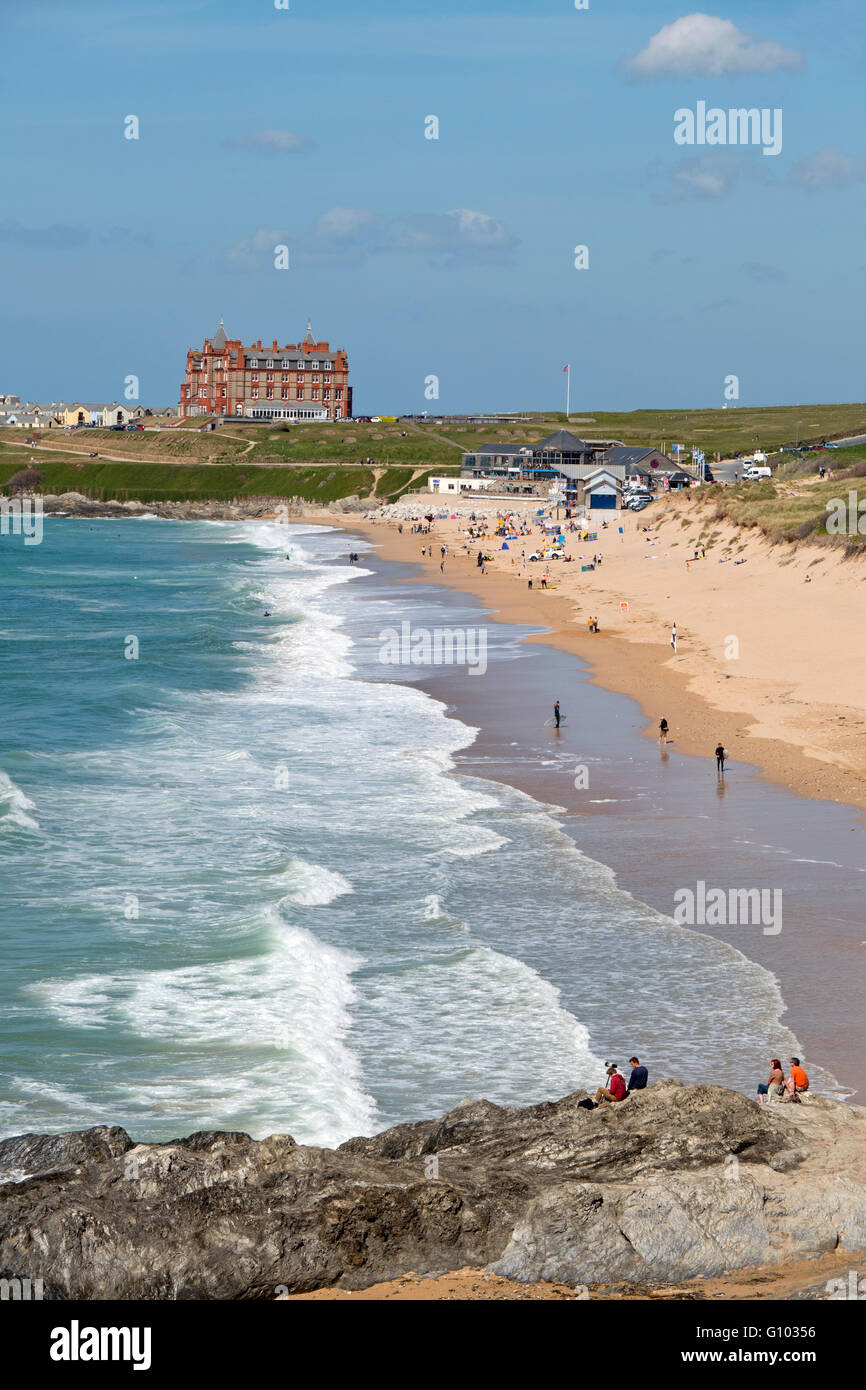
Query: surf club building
[[307, 380], [578, 466], [590, 475]]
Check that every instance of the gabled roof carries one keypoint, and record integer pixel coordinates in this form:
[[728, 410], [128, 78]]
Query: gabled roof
[[564, 442], [631, 455]]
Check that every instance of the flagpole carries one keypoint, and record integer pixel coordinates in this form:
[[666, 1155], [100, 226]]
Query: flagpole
[[567, 392]]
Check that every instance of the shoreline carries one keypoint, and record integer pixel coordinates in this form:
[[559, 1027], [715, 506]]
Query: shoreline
[[636, 665], [631, 833]]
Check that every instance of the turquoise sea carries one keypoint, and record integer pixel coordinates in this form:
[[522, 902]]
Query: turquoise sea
[[243, 885]]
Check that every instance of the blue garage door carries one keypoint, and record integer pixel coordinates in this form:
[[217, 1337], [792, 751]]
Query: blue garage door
[[601, 499]]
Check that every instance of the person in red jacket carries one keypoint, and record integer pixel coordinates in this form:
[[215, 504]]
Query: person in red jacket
[[615, 1089]]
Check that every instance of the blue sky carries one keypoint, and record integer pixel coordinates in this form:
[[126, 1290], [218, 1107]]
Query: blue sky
[[454, 256]]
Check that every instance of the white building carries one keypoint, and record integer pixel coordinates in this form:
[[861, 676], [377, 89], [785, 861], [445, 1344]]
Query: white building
[[454, 484]]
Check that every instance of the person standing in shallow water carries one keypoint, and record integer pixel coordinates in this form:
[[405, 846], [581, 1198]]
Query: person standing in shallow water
[[556, 713], [720, 759]]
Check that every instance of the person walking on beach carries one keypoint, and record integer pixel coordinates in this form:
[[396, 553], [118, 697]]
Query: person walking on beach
[[556, 713], [674, 638], [663, 730], [720, 759]]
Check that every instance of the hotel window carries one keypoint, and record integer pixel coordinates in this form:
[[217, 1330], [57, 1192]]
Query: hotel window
[[270, 393], [326, 378], [270, 376], [314, 394], [300, 393], [202, 390], [222, 390], [339, 395], [314, 366], [285, 376], [255, 393], [255, 376], [254, 361], [284, 393], [270, 362], [326, 395], [315, 376]]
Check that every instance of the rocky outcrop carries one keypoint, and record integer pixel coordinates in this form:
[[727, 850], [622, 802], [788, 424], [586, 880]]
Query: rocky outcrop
[[240, 509], [676, 1182]]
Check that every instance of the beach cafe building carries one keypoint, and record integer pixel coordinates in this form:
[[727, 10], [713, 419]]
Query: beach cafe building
[[587, 480]]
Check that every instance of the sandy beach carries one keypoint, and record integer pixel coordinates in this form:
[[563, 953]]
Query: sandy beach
[[803, 1280], [767, 663]]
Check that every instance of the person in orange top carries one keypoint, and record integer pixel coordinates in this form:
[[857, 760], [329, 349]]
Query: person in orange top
[[798, 1076]]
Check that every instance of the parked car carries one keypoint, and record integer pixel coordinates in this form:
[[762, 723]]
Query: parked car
[[117, 427], [638, 505]]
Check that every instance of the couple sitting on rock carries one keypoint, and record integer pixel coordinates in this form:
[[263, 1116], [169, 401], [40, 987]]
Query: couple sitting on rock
[[777, 1088], [616, 1089]]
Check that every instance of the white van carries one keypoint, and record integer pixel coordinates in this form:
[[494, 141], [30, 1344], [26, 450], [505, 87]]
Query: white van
[[753, 472]]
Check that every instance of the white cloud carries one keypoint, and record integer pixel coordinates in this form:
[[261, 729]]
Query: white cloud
[[272, 142], [458, 236], [829, 168], [703, 45], [701, 177], [345, 236]]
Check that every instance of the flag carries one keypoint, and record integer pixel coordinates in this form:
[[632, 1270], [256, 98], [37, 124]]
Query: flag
[[568, 368]]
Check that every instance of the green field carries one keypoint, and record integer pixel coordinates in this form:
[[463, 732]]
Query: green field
[[436, 446], [154, 482], [793, 504]]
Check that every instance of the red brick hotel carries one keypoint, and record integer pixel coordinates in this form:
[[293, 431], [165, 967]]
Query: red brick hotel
[[301, 381]]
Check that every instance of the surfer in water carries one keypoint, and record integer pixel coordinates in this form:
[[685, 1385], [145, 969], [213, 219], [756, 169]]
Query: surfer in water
[[556, 714]]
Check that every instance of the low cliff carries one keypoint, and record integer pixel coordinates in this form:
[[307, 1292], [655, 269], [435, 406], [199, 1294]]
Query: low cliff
[[676, 1182]]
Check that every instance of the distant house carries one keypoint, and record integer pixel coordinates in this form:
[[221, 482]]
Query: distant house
[[113, 414]]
